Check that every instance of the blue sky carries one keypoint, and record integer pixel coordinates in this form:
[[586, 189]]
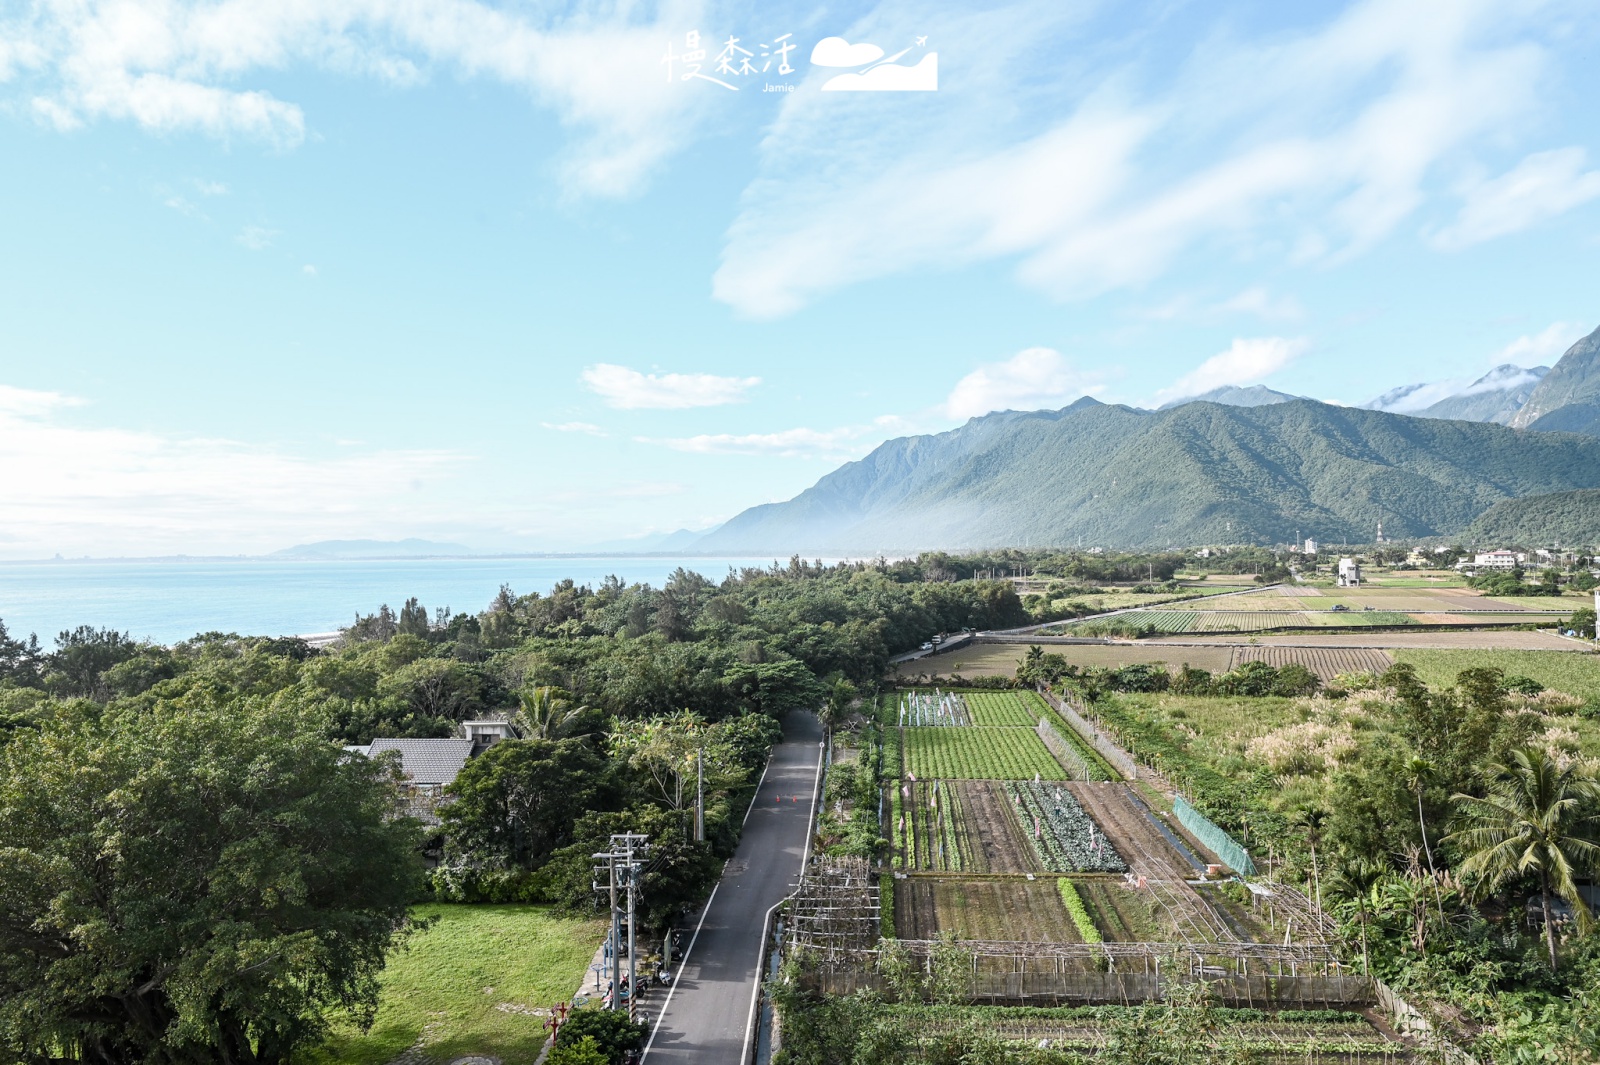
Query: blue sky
[[278, 272]]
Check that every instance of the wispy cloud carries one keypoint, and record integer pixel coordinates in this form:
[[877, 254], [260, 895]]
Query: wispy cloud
[[574, 427], [1545, 346], [1311, 146], [788, 443], [1542, 186], [256, 238], [1258, 301], [1245, 362], [628, 389], [186, 66], [1031, 379]]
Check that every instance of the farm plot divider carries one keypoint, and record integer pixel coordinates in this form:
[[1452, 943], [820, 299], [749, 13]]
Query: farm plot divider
[[1119, 759], [1074, 763]]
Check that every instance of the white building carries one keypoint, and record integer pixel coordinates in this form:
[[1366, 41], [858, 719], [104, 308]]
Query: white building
[[1349, 573], [1506, 560], [1311, 546]]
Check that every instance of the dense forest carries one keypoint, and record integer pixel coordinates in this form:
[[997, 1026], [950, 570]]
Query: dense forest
[[195, 870]]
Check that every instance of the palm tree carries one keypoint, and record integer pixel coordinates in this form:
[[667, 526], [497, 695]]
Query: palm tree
[[1539, 817], [1312, 819], [1356, 878], [547, 713]]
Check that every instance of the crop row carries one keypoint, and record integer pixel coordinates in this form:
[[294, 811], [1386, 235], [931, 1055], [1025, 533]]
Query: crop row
[[936, 820], [978, 753], [1064, 836], [1078, 912], [1014, 709]]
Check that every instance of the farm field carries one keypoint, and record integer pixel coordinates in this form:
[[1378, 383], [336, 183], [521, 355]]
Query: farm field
[[1020, 709], [1575, 674], [1285, 1038], [468, 984], [996, 910], [977, 831], [978, 753], [1326, 662], [1065, 839], [1507, 639]]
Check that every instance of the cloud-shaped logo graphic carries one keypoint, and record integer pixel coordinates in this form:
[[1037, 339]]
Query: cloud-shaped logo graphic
[[890, 77], [838, 52]]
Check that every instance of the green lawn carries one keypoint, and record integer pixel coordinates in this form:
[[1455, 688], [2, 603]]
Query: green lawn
[[460, 980]]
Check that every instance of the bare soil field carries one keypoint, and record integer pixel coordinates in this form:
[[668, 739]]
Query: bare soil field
[[1509, 640], [995, 910], [1326, 662], [1147, 852]]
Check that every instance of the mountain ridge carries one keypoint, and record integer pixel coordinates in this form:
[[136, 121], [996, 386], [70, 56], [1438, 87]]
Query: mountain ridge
[[1095, 473]]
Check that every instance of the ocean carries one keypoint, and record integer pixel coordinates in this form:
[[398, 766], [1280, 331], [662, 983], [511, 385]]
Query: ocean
[[167, 601]]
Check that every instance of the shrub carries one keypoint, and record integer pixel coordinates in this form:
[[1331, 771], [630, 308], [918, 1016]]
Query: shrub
[[610, 1031], [583, 1052]]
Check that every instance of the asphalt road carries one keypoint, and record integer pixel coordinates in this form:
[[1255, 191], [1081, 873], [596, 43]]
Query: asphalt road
[[706, 1017]]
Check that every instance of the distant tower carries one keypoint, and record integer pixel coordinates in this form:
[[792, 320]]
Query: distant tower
[[1380, 532]]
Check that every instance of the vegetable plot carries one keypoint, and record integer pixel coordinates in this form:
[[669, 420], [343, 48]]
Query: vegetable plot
[[1065, 837], [978, 753], [1004, 709], [923, 709]]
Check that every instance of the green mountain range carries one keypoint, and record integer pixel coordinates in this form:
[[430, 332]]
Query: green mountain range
[[1098, 475], [1571, 519]]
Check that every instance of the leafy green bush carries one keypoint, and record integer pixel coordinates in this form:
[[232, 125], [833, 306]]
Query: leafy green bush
[[610, 1031]]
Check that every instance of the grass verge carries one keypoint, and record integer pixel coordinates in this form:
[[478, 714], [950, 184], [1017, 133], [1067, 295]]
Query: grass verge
[[459, 986]]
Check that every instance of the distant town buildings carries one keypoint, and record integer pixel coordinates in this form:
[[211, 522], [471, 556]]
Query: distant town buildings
[[1311, 546], [1380, 533], [1349, 573]]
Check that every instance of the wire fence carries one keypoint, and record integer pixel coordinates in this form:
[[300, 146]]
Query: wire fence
[[1213, 838]]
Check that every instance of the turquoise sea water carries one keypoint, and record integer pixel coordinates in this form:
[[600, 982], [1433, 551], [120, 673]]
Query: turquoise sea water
[[170, 601]]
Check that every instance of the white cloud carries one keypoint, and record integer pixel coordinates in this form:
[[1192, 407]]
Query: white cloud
[[1312, 146], [628, 389], [1245, 362], [1543, 347], [575, 427], [28, 403], [1031, 379], [186, 66], [1540, 187], [256, 238], [210, 188], [309, 270], [140, 492]]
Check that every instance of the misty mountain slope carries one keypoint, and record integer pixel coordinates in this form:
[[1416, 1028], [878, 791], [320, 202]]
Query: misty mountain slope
[[1197, 473], [1496, 397], [1574, 381]]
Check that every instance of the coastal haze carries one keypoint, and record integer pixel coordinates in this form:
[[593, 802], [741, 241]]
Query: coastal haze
[[167, 601]]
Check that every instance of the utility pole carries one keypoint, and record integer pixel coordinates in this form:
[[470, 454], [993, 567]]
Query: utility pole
[[699, 796], [624, 862]]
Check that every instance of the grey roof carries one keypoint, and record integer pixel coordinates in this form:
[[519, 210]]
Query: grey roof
[[427, 761]]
